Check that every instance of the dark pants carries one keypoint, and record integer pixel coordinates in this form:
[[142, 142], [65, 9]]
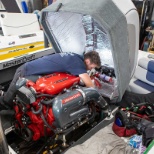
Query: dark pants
[[10, 94]]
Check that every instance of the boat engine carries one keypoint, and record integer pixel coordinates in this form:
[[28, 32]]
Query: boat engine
[[54, 104]]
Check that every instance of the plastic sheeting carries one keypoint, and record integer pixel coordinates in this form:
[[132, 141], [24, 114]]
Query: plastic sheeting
[[68, 31], [97, 40], [80, 33], [109, 90]]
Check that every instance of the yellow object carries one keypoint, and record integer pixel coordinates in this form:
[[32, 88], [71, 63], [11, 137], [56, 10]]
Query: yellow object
[[46, 152], [20, 50], [151, 49]]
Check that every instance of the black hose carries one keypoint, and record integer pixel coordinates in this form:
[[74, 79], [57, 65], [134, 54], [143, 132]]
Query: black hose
[[38, 111], [27, 133], [47, 112], [49, 102], [46, 95], [42, 116]]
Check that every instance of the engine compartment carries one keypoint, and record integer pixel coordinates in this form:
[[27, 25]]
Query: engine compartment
[[57, 106], [57, 101]]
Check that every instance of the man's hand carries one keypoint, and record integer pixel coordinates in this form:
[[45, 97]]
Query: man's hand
[[86, 80]]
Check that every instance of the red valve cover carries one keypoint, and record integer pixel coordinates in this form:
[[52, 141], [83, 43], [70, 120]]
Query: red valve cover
[[55, 83]]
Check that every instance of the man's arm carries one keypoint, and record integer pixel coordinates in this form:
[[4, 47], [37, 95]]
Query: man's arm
[[86, 80]]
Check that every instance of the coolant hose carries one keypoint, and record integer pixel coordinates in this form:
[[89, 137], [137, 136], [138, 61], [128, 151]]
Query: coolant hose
[[49, 102], [38, 111], [45, 95], [43, 118]]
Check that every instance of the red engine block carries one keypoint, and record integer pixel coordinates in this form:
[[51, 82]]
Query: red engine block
[[54, 83], [36, 124], [51, 84]]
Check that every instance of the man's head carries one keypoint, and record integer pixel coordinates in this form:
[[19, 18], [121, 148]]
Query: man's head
[[92, 60]]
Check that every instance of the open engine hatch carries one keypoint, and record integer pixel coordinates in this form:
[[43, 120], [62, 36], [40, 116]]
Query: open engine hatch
[[78, 27]]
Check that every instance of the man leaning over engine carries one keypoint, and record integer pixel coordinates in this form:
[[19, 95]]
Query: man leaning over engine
[[59, 62]]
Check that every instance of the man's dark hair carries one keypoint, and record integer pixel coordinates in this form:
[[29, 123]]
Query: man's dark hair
[[94, 58]]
